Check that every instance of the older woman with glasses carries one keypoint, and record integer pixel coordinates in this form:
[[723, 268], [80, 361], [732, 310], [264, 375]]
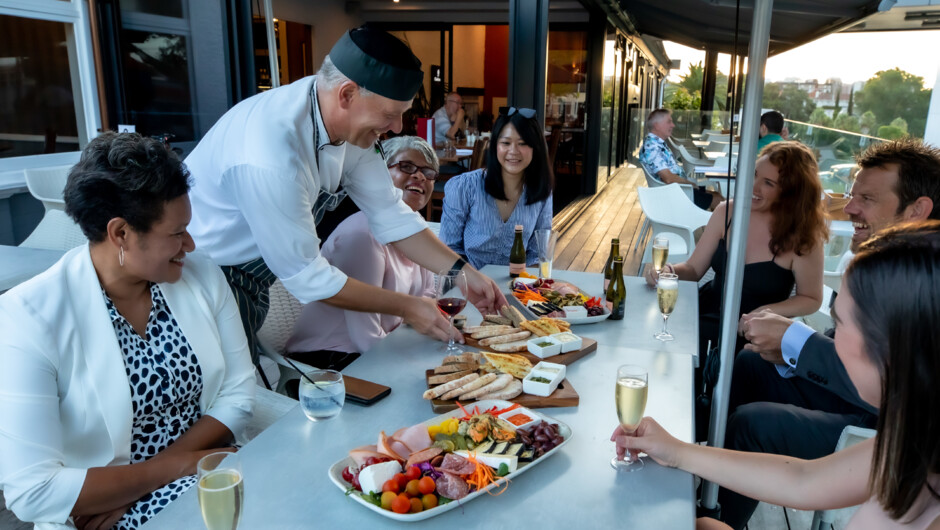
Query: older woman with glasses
[[483, 207], [329, 337]]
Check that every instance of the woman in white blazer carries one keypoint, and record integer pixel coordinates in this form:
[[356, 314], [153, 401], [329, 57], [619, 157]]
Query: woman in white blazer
[[124, 363]]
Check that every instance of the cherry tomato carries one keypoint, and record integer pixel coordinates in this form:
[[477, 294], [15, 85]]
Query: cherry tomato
[[429, 501], [413, 489], [416, 505], [387, 498], [402, 481], [391, 485], [413, 473], [401, 504], [426, 485]]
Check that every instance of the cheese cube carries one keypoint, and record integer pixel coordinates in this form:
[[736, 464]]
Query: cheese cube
[[373, 477], [512, 462]]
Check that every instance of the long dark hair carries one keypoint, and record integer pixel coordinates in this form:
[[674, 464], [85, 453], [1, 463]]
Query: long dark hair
[[895, 281], [799, 220], [539, 178]]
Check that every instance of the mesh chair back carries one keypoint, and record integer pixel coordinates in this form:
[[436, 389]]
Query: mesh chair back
[[283, 312], [46, 184], [56, 231]]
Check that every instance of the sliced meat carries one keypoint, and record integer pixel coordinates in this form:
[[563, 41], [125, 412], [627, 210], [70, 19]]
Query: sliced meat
[[452, 487], [385, 447], [423, 455], [457, 464], [360, 454], [415, 437]]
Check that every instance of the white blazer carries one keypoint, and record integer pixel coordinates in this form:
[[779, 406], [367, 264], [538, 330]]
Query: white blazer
[[65, 402]]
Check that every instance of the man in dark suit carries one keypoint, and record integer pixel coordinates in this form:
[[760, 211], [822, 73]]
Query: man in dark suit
[[790, 393]]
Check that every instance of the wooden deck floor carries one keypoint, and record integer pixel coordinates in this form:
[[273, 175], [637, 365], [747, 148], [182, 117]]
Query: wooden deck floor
[[585, 243]]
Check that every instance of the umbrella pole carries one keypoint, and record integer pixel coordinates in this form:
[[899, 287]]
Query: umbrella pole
[[731, 302]]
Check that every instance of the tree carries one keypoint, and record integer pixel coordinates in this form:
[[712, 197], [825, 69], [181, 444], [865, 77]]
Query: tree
[[692, 83], [894, 94], [890, 132], [868, 122], [900, 123], [789, 100], [680, 99], [846, 122]]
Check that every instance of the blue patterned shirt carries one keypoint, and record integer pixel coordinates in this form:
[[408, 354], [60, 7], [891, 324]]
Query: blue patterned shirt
[[472, 227], [656, 156]]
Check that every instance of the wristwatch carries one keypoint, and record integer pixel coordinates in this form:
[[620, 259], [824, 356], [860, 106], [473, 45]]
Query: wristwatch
[[458, 265]]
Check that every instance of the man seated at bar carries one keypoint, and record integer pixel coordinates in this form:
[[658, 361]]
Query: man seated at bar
[[483, 207], [771, 128], [329, 337], [125, 362], [659, 161], [886, 319], [272, 164], [803, 416], [449, 119]]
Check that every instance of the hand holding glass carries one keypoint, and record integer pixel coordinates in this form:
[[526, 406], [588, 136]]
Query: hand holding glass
[[631, 394], [451, 299], [221, 490], [667, 293]]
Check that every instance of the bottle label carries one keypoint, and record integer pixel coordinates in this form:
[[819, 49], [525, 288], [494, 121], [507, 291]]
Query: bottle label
[[516, 268]]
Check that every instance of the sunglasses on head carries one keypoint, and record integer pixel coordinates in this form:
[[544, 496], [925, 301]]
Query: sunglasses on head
[[410, 169], [526, 113]]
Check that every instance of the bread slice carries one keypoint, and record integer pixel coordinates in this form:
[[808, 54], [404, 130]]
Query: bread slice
[[513, 389], [513, 314], [515, 365], [510, 347], [455, 367], [470, 387], [563, 325], [440, 390], [541, 327], [494, 331], [498, 319], [497, 383], [503, 339], [469, 357], [440, 379]]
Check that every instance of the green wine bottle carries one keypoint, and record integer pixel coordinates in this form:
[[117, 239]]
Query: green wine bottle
[[616, 291], [517, 254], [609, 266]]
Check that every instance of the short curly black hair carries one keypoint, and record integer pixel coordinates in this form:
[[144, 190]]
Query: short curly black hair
[[123, 175]]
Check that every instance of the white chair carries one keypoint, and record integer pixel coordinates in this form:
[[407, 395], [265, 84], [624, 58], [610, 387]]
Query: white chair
[[851, 435], [283, 312], [46, 184], [56, 230], [821, 320], [669, 209], [654, 182], [268, 408]]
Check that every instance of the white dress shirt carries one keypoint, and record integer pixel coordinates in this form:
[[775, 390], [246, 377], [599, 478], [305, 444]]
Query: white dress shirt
[[256, 179]]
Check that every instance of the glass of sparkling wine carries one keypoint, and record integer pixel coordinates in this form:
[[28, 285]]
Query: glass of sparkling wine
[[322, 394], [451, 299], [221, 490], [660, 253], [667, 293], [632, 385]]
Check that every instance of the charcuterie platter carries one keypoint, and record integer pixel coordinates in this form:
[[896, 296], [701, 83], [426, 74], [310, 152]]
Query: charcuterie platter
[[435, 466]]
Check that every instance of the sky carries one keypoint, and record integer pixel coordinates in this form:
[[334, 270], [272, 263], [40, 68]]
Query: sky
[[848, 56]]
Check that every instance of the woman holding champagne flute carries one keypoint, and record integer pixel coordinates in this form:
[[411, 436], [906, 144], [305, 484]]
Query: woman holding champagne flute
[[886, 317], [785, 237], [126, 361]]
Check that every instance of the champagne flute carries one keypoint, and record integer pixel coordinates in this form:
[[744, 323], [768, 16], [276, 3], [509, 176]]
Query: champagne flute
[[221, 490], [631, 393], [667, 293], [451, 299], [660, 253]]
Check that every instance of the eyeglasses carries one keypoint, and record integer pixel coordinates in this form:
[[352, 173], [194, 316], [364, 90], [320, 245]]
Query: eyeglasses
[[411, 169], [526, 113]]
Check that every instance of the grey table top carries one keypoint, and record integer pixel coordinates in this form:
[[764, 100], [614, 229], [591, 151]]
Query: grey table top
[[18, 264], [285, 467]]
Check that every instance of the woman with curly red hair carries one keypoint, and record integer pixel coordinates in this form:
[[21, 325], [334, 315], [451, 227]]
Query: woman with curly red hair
[[785, 237]]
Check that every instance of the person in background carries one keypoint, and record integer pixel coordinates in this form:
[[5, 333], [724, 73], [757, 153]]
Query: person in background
[[886, 317], [482, 207], [771, 129], [329, 337], [269, 168], [790, 393], [449, 119], [125, 362], [658, 160]]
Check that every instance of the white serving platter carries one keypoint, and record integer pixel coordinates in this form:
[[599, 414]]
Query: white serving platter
[[336, 470]]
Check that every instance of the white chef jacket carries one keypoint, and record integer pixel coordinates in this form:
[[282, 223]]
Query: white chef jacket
[[256, 179]]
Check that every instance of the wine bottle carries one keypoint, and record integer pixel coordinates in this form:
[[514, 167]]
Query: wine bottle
[[517, 254], [616, 291], [609, 266]]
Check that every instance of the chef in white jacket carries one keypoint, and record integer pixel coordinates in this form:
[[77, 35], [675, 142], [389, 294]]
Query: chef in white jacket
[[272, 164]]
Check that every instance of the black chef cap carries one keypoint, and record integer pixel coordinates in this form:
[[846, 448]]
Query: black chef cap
[[378, 62]]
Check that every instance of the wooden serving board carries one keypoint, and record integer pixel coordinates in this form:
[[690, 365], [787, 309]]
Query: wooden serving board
[[587, 346], [563, 396]]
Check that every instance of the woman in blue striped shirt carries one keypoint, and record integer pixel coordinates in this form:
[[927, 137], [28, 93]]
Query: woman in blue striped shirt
[[482, 207]]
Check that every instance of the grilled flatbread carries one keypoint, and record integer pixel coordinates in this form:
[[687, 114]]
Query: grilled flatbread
[[471, 386], [501, 381], [541, 327], [515, 365], [513, 389], [565, 326], [510, 347], [498, 319], [440, 390], [502, 339], [440, 379], [494, 331]]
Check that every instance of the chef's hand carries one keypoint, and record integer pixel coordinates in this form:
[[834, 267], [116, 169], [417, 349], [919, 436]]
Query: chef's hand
[[649, 438], [652, 277], [764, 331], [426, 318], [484, 293]]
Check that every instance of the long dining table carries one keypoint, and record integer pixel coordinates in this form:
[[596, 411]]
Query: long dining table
[[286, 467]]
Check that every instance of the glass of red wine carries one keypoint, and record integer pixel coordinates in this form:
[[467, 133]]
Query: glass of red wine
[[451, 299]]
